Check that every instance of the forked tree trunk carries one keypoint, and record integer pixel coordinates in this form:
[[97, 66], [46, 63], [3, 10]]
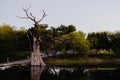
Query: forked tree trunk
[[36, 58]]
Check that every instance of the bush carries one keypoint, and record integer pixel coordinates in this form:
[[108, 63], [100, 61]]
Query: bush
[[107, 51]]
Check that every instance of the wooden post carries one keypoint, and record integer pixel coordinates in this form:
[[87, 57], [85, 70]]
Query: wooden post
[[7, 59]]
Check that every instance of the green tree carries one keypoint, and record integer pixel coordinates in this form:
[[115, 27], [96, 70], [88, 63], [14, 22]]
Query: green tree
[[6, 38], [115, 41], [52, 41], [99, 40], [12, 41], [77, 42], [62, 40], [20, 40]]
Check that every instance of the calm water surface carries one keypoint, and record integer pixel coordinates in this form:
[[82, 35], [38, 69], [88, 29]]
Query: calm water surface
[[59, 73]]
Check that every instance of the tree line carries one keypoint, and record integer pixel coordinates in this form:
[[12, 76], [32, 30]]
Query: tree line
[[63, 39], [109, 41]]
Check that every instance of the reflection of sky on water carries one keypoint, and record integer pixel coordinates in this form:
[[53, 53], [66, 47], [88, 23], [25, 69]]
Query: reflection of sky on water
[[58, 69]]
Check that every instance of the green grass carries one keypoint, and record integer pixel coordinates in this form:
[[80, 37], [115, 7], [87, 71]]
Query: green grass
[[76, 60], [64, 62], [13, 56]]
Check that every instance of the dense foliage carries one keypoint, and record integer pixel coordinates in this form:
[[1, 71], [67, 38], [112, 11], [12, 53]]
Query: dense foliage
[[11, 41], [105, 41], [63, 39]]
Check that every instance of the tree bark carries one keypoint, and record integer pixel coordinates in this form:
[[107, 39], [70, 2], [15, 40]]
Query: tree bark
[[36, 58]]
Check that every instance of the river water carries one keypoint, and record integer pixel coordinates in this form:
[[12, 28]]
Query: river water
[[59, 73]]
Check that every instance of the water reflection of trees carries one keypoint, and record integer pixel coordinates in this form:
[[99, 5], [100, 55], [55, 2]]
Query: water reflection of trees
[[64, 74], [58, 73], [36, 72]]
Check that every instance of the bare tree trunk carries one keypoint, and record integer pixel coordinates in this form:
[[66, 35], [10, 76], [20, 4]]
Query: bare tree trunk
[[36, 58]]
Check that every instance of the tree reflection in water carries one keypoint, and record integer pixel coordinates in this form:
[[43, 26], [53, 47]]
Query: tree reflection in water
[[61, 73], [36, 72]]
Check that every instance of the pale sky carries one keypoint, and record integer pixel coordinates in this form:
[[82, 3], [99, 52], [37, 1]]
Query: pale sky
[[86, 15]]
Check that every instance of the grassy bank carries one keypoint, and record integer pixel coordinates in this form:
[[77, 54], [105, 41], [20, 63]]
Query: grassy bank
[[14, 56], [76, 60]]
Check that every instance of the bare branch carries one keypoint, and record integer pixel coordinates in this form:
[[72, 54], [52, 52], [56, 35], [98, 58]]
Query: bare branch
[[44, 15], [31, 17], [27, 14], [44, 12], [28, 8], [63, 40], [29, 42], [30, 32], [22, 17]]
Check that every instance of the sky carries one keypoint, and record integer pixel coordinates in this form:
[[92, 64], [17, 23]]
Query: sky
[[86, 15]]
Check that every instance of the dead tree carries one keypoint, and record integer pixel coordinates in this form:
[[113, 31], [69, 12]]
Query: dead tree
[[36, 58]]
